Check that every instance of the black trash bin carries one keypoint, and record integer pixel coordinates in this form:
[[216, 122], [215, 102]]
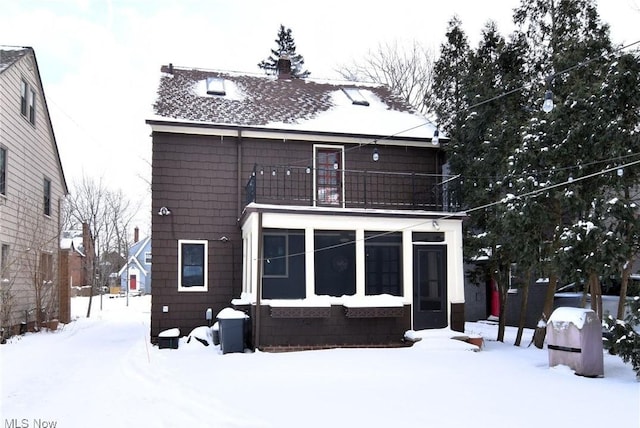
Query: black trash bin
[[231, 330]]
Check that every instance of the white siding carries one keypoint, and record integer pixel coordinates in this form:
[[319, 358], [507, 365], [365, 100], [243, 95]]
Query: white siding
[[31, 157]]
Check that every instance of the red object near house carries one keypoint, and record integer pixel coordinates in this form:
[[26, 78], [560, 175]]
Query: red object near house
[[132, 282], [495, 300]]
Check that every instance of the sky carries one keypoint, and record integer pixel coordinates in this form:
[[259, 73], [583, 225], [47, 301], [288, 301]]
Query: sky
[[102, 372], [100, 59]]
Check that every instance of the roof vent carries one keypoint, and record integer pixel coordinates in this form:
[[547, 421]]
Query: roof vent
[[356, 96], [283, 68], [215, 86]]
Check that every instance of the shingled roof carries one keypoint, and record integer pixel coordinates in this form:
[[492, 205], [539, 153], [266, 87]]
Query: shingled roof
[[10, 54], [309, 105]]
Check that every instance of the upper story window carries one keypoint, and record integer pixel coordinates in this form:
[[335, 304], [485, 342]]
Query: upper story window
[[28, 102], [3, 171], [328, 179], [147, 257], [47, 196]]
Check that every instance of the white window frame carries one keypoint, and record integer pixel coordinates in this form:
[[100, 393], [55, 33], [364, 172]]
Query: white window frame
[[147, 257], [194, 288], [341, 192]]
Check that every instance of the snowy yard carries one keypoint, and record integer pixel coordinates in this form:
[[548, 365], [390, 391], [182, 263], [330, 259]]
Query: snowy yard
[[102, 372]]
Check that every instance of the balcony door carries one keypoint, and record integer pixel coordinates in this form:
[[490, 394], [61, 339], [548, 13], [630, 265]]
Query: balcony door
[[329, 175]]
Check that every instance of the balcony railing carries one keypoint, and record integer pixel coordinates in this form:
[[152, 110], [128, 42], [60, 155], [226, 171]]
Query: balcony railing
[[356, 189]]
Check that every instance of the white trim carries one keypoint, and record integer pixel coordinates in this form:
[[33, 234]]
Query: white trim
[[196, 288], [280, 134], [341, 169]]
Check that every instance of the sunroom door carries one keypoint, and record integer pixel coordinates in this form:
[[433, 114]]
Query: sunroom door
[[429, 286], [328, 176]]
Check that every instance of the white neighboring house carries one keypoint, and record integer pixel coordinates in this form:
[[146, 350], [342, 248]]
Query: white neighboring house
[[136, 273], [32, 188]]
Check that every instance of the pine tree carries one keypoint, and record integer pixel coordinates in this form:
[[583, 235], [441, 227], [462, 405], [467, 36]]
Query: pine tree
[[450, 72], [567, 49], [286, 46]]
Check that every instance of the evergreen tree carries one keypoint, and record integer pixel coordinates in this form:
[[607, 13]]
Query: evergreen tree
[[286, 46], [450, 71], [567, 46]]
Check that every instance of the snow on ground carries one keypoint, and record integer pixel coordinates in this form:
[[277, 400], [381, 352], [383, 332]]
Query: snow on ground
[[102, 372]]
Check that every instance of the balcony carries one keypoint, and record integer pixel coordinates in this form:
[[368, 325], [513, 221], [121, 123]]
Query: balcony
[[280, 185]]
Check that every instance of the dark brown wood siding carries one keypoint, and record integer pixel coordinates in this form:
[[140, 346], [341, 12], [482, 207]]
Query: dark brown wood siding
[[197, 179]]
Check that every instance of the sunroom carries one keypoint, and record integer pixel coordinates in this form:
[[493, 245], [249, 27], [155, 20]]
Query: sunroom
[[322, 277]]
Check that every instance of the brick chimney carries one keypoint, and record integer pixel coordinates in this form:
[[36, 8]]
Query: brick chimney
[[283, 68], [136, 235]]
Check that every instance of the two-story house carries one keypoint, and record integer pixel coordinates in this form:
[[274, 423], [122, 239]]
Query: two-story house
[[319, 208], [32, 187], [135, 275]]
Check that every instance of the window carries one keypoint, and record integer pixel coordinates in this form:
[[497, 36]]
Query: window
[[47, 197], [215, 86], [356, 96], [275, 256], [24, 91], [192, 265], [283, 275], [147, 257], [28, 102], [4, 263], [46, 268], [328, 176], [383, 263], [3, 171], [32, 107], [335, 257]]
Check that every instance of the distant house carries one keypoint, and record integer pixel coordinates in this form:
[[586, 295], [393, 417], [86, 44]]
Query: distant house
[[318, 208], [77, 247], [136, 273], [32, 187]]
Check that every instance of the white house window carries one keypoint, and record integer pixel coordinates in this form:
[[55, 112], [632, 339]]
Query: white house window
[[147, 257], [24, 92], [192, 265], [3, 171], [47, 196], [28, 102]]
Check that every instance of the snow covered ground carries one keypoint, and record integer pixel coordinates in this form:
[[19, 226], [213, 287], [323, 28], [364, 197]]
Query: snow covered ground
[[102, 372]]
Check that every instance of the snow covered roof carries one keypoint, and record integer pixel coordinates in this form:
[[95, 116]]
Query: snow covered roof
[[194, 96], [10, 54]]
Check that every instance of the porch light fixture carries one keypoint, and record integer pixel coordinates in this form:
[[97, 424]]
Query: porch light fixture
[[164, 211], [436, 137], [273, 172], [335, 164], [308, 170], [376, 155]]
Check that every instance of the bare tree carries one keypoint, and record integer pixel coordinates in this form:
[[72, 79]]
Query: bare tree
[[407, 70], [108, 214]]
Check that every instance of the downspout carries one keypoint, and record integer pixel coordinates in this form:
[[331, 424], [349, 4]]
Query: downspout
[[256, 342], [240, 174]]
